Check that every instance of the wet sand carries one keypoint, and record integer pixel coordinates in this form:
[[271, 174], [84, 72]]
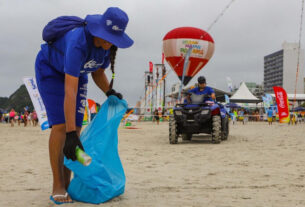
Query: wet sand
[[259, 165]]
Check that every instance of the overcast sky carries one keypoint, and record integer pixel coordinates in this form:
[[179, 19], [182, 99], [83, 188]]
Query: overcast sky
[[249, 30]]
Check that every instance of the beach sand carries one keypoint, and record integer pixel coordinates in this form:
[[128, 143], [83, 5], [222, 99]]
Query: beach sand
[[259, 165]]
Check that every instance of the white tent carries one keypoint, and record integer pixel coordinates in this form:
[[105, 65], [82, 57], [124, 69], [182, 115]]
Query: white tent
[[243, 95]]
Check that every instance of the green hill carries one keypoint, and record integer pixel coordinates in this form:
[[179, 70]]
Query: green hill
[[18, 100]]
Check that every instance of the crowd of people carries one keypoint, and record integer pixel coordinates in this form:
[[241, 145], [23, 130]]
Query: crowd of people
[[26, 118], [241, 114], [244, 115]]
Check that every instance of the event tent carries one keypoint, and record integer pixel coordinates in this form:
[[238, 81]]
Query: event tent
[[243, 95]]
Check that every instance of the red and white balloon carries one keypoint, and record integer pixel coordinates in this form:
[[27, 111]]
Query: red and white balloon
[[176, 44]]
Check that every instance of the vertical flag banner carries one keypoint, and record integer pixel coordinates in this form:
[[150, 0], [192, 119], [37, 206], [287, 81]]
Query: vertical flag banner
[[227, 101], [282, 104], [266, 104], [31, 86], [230, 85], [151, 66], [267, 100]]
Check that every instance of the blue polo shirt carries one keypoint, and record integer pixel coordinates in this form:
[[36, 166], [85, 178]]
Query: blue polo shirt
[[75, 53]]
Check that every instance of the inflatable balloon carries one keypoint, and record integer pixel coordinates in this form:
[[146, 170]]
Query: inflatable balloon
[[177, 42]]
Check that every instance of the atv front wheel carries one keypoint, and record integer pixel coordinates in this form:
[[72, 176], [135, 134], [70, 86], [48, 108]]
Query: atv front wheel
[[173, 135], [186, 136], [216, 129]]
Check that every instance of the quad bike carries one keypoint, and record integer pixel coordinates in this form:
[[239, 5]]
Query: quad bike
[[199, 117]]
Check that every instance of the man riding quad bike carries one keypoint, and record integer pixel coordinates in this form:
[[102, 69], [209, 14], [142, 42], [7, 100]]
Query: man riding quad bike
[[200, 113]]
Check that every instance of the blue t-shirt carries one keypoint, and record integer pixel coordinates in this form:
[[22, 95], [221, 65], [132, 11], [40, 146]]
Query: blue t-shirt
[[207, 90], [78, 55], [270, 112]]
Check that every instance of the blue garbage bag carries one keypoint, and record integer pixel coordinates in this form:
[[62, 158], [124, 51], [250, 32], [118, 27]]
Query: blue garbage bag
[[104, 178]]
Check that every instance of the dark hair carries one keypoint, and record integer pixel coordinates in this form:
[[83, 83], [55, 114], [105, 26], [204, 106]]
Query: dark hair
[[113, 50]]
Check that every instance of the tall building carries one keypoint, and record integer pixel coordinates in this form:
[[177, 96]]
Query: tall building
[[280, 69]]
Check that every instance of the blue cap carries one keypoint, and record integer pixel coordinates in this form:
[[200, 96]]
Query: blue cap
[[110, 27]]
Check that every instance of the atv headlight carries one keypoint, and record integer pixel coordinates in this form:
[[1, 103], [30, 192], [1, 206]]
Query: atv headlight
[[204, 112], [178, 113]]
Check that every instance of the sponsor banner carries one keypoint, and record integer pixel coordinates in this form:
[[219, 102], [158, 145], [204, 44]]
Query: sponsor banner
[[282, 104], [200, 48], [31, 86]]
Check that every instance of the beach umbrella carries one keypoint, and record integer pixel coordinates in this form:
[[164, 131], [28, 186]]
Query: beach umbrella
[[176, 45]]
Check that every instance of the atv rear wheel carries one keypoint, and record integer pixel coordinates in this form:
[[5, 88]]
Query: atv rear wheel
[[186, 136], [216, 129], [225, 128], [173, 135]]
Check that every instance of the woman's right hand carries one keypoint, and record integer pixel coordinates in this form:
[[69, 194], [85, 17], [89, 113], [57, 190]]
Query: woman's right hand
[[72, 141]]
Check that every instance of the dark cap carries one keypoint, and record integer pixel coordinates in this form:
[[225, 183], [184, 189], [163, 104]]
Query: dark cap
[[201, 79]]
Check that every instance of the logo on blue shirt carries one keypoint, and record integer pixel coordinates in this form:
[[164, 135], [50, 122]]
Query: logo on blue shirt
[[92, 64]]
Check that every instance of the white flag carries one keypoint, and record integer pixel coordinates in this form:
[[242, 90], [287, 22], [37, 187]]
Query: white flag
[[31, 86]]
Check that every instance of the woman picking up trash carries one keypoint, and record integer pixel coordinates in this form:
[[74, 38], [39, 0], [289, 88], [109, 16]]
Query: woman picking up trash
[[61, 73]]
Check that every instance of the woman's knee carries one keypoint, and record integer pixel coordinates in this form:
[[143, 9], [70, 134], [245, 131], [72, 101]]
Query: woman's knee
[[59, 128]]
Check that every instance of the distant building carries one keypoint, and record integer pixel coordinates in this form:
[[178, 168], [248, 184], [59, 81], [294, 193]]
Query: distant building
[[280, 69], [256, 89]]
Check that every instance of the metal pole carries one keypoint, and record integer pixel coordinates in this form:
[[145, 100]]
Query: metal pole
[[186, 60], [163, 74]]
